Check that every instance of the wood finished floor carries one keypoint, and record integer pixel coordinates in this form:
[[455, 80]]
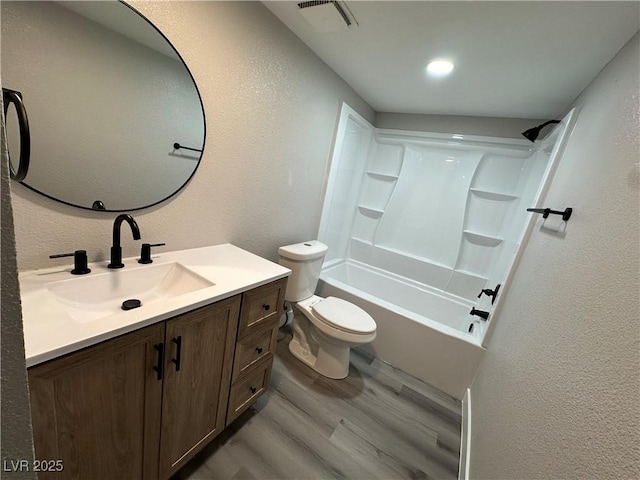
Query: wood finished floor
[[378, 423]]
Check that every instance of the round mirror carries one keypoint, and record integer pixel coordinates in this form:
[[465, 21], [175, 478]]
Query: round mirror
[[115, 117]]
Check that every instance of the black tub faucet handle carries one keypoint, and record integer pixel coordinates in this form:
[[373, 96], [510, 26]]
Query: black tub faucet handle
[[490, 293]]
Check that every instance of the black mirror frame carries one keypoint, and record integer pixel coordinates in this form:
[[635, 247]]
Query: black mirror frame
[[204, 140]]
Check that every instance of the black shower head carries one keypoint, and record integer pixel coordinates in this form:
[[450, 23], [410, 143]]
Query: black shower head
[[532, 133]]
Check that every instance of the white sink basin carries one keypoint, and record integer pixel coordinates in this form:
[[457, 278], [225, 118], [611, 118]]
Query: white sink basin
[[96, 296], [63, 313]]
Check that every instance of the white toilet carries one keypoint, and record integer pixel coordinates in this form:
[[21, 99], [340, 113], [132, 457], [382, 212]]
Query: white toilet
[[330, 327]]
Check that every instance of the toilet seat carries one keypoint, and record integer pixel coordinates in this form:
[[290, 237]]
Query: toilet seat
[[344, 316]]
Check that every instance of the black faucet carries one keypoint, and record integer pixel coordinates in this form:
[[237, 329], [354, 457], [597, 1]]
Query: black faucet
[[116, 249], [480, 313]]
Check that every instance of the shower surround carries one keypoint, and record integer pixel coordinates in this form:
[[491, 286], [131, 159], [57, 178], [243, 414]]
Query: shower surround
[[417, 225]]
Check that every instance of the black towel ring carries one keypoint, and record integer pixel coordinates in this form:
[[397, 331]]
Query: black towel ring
[[15, 97]]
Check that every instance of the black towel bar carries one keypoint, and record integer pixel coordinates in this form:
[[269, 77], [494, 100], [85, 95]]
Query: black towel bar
[[566, 215], [177, 146]]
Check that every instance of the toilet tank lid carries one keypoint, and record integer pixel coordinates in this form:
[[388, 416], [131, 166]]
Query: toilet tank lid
[[303, 251]]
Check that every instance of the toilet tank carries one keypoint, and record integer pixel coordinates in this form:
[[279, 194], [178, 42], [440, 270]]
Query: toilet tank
[[305, 262]]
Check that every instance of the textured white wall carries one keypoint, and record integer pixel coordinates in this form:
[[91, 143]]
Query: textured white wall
[[271, 108], [15, 432], [556, 395]]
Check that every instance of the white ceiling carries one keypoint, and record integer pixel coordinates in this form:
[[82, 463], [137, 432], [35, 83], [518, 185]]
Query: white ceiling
[[513, 59]]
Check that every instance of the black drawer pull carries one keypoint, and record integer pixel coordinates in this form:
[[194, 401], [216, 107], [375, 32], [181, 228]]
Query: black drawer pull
[[160, 366], [253, 389], [259, 350], [178, 342], [266, 306]]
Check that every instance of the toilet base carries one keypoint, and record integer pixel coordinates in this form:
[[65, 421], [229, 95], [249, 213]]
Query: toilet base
[[328, 358], [330, 363]]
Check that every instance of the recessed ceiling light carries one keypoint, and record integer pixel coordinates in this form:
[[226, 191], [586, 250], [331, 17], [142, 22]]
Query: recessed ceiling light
[[439, 68]]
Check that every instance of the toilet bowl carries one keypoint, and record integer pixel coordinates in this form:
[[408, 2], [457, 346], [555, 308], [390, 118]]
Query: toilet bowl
[[324, 341], [325, 329]]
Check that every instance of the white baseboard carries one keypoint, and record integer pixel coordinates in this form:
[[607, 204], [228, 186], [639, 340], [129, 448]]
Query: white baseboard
[[465, 437]]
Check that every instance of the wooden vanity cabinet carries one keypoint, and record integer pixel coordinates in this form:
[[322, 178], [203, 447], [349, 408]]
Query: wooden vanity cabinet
[[255, 345], [98, 410], [198, 363], [141, 405], [110, 412]]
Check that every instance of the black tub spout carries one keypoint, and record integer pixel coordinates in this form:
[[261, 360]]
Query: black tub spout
[[479, 313]]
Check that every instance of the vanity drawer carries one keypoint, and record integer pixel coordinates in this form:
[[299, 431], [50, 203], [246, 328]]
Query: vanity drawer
[[261, 305], [254, 348], [246, 391]]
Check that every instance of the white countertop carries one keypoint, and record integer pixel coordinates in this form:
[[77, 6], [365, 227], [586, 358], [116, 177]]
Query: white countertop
[[50, 330]]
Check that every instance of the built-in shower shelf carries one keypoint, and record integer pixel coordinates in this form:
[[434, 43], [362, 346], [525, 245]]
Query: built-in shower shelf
[[370, 212], [479, 276], [385, 177], [482, 239], [490, 195]]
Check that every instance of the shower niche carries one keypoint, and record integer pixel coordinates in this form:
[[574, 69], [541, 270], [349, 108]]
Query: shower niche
[[444, 211]]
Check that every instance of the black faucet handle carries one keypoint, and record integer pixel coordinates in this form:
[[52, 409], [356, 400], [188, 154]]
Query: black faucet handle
[[145, 252], [80, 262], [490, 293]]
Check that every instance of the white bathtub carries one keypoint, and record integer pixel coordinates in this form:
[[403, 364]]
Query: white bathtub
[[421, 330], [418, 224]]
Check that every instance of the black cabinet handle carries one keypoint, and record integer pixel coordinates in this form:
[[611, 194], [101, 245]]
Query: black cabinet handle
[[253, 389], [259, 350], [160, 366], [15, 97], [266, 306], [178, 342]]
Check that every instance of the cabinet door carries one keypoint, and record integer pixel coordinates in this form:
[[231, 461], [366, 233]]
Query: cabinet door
[[198, 363], [98, 410]]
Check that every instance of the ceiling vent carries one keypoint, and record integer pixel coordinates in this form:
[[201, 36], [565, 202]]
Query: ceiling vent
[[327, 15]]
